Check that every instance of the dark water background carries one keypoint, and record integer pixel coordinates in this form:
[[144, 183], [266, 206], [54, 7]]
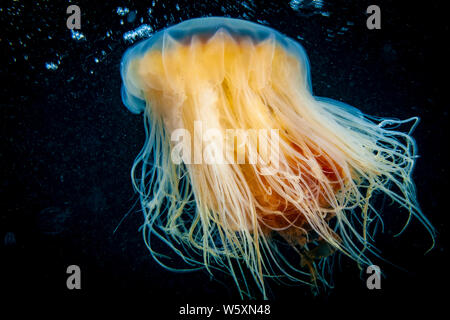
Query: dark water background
[[67, 145]]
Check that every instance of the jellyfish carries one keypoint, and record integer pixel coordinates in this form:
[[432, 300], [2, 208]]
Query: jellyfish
[[244, 170]]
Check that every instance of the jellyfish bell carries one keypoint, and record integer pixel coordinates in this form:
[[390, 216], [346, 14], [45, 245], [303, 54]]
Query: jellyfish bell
[[330, 159]]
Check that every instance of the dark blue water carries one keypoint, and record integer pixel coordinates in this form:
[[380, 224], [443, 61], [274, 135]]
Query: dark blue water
[[67, 145]]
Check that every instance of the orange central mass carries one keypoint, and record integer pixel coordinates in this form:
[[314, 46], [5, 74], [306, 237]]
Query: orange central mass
[[276, 211]]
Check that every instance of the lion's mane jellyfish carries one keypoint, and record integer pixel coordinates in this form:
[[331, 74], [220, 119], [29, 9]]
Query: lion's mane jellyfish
[[278, 216]]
